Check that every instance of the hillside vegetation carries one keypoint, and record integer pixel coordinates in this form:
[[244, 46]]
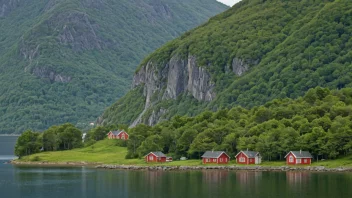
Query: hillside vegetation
[[65, 61], [254, 52], [319, 122]]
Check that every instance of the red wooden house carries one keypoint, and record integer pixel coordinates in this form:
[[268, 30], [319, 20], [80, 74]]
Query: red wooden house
[[298, 157], [248, 157], [118, 135], [215, 157], [154, 157]]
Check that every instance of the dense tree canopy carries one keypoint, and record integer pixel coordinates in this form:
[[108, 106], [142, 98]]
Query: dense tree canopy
[[319, 122]]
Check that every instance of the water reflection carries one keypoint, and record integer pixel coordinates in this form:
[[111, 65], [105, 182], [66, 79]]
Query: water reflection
[[85, 182], [294, 178], [214, 177], [246, 178]]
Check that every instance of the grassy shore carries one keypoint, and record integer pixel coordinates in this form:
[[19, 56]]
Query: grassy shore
[[106, 152]]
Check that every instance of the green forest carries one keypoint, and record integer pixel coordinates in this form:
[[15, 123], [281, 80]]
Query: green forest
[[318, 122], [66, 61], [289, 47]]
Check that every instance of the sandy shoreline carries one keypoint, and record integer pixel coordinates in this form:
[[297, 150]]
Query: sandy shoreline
[[185, 168]]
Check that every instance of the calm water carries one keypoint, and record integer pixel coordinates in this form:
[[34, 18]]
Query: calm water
[[77, 182], [7, 145]]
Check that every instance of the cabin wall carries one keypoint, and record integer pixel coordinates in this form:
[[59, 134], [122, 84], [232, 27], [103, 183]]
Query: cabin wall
[[210, 161], [288, 162], [123, 134], [223, 159], [155, 159], [304, 161], [241, 155]]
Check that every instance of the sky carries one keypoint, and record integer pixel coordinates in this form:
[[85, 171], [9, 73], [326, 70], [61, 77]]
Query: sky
[[229, 2]]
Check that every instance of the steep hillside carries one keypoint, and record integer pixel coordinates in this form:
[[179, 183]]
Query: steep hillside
[[252, 53], [66, 60]]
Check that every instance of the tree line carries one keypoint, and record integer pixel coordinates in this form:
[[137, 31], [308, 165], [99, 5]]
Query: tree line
[[59, 138], [319, 122]]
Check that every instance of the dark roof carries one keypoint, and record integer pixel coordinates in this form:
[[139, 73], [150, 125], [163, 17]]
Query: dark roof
[[158, 154], [213, 154], [117, 132], [300, 154], [249, 154]]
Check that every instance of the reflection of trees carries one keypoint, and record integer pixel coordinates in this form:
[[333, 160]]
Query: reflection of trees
[[217, 177], [246, 178], [295, 178]]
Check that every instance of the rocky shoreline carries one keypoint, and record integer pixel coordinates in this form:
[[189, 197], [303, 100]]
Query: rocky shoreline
[[235, 168], [55, 163], [189, 168]]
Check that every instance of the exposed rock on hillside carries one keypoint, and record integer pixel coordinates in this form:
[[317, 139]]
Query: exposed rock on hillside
[[51, 75], [6, 6], [77, 31], [178, 76], [239, 66]]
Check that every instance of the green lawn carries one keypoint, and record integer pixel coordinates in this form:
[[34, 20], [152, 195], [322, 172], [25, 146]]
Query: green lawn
[[106, 152]]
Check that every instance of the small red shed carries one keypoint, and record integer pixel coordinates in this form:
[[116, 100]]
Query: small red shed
[[154, 157], [298, 158], [118, 135], [248, 157], [215, 157]]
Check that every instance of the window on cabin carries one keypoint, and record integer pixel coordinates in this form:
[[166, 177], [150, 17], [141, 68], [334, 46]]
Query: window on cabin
[[207, 160], [242, 159], [225, 159], [290, 159], [220, 159], [151, 157], [298, 161], [305, 160], [214, 160], [123, 136]]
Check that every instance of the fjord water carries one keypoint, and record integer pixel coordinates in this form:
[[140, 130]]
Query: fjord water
[[35, 182], [84, 182], [7, 147]]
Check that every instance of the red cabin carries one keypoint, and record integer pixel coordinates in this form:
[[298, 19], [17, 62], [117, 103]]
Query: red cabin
[[298, 158], [248, 157], [154, 157], [215, 157], [118, 135]]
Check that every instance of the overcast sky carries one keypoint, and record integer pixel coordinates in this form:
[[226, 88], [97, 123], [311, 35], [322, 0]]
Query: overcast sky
[[229, 2]]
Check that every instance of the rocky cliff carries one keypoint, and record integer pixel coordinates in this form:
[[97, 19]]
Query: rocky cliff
[[178, 76]]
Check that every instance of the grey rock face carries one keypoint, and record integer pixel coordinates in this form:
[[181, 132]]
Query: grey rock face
[[178, 76], [51, 75], [156, 117], [6, 6], [78, 31], [240, 66]]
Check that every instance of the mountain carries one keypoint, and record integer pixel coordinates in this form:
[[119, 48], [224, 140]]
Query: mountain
[[253, 53], [66, 60]]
